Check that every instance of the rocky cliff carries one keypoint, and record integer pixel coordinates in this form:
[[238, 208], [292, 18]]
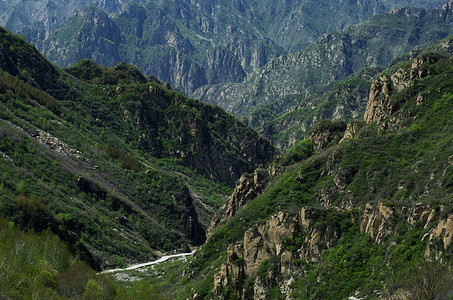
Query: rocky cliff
[[93, 35], [195, 42], [379, 222], [344, 221], [275, 240], [249, 186], [381, 105], [283, 99]]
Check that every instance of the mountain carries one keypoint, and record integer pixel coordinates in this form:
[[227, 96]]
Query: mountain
[[116, 164], [353, 211], [292, 83], [290, 119], [186, 43], [413, 3]]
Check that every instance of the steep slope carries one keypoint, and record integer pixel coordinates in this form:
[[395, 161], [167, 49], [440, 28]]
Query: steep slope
[[94, 35], [413, 3], [291, 80], [116, 164], [350, 219], [290, 119], [195, 42]]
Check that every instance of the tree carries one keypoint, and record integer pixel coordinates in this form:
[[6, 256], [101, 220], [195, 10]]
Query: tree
[[427, 281]]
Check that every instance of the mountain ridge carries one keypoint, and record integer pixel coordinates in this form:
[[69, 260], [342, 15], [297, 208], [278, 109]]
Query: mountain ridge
[[112, 160], [351, 218]]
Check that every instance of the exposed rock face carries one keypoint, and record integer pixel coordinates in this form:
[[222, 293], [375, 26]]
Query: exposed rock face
[[380, 103], [225, 40], [271, 239], [231, 270], [319, 237], [326, 133], [250, 186], [259, 243], [424, 214], [331, 58], [439, 237], [95, 35], [352, 130], [379, 107], [376, 221]]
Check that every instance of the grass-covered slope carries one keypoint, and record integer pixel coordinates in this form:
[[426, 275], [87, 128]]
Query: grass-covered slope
[[40, 266], [287, 96], [117, 165], [352, 219]]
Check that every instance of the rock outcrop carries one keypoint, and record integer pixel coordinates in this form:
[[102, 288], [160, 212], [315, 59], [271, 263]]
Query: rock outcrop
[[352, 130], [439, 238], [381, 105], [249, 186], [274, 239], [326, 133], [376, 221], [379, 221]]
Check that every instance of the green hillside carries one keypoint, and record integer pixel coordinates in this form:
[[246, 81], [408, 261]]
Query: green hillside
[[358, 217], [290, 94], [116, 164], [102, 167]]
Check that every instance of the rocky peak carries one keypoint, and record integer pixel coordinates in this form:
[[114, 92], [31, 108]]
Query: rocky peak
[[378, 107], [380, 103], [248, 188], [326, 133], [98, 21]]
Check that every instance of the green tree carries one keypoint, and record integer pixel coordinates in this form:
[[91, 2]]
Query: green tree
[[92, 291]]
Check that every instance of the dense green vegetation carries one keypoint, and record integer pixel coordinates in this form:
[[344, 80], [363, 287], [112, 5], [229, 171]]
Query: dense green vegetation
[[104, 167], [391, 163], [40, 266], [90, 71], [109, 160]]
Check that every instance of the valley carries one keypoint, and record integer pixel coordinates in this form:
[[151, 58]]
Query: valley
[[207, 149]]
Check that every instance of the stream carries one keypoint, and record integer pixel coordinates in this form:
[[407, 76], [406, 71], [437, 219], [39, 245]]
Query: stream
[[133, 267]]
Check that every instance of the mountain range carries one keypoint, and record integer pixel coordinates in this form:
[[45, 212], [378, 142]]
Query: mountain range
[[292, 84], [193, 42], [354, 209], [345, 189]]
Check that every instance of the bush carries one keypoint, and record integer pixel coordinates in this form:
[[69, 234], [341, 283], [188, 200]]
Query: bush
[[303, 150], [127, 161], [426, 281]]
